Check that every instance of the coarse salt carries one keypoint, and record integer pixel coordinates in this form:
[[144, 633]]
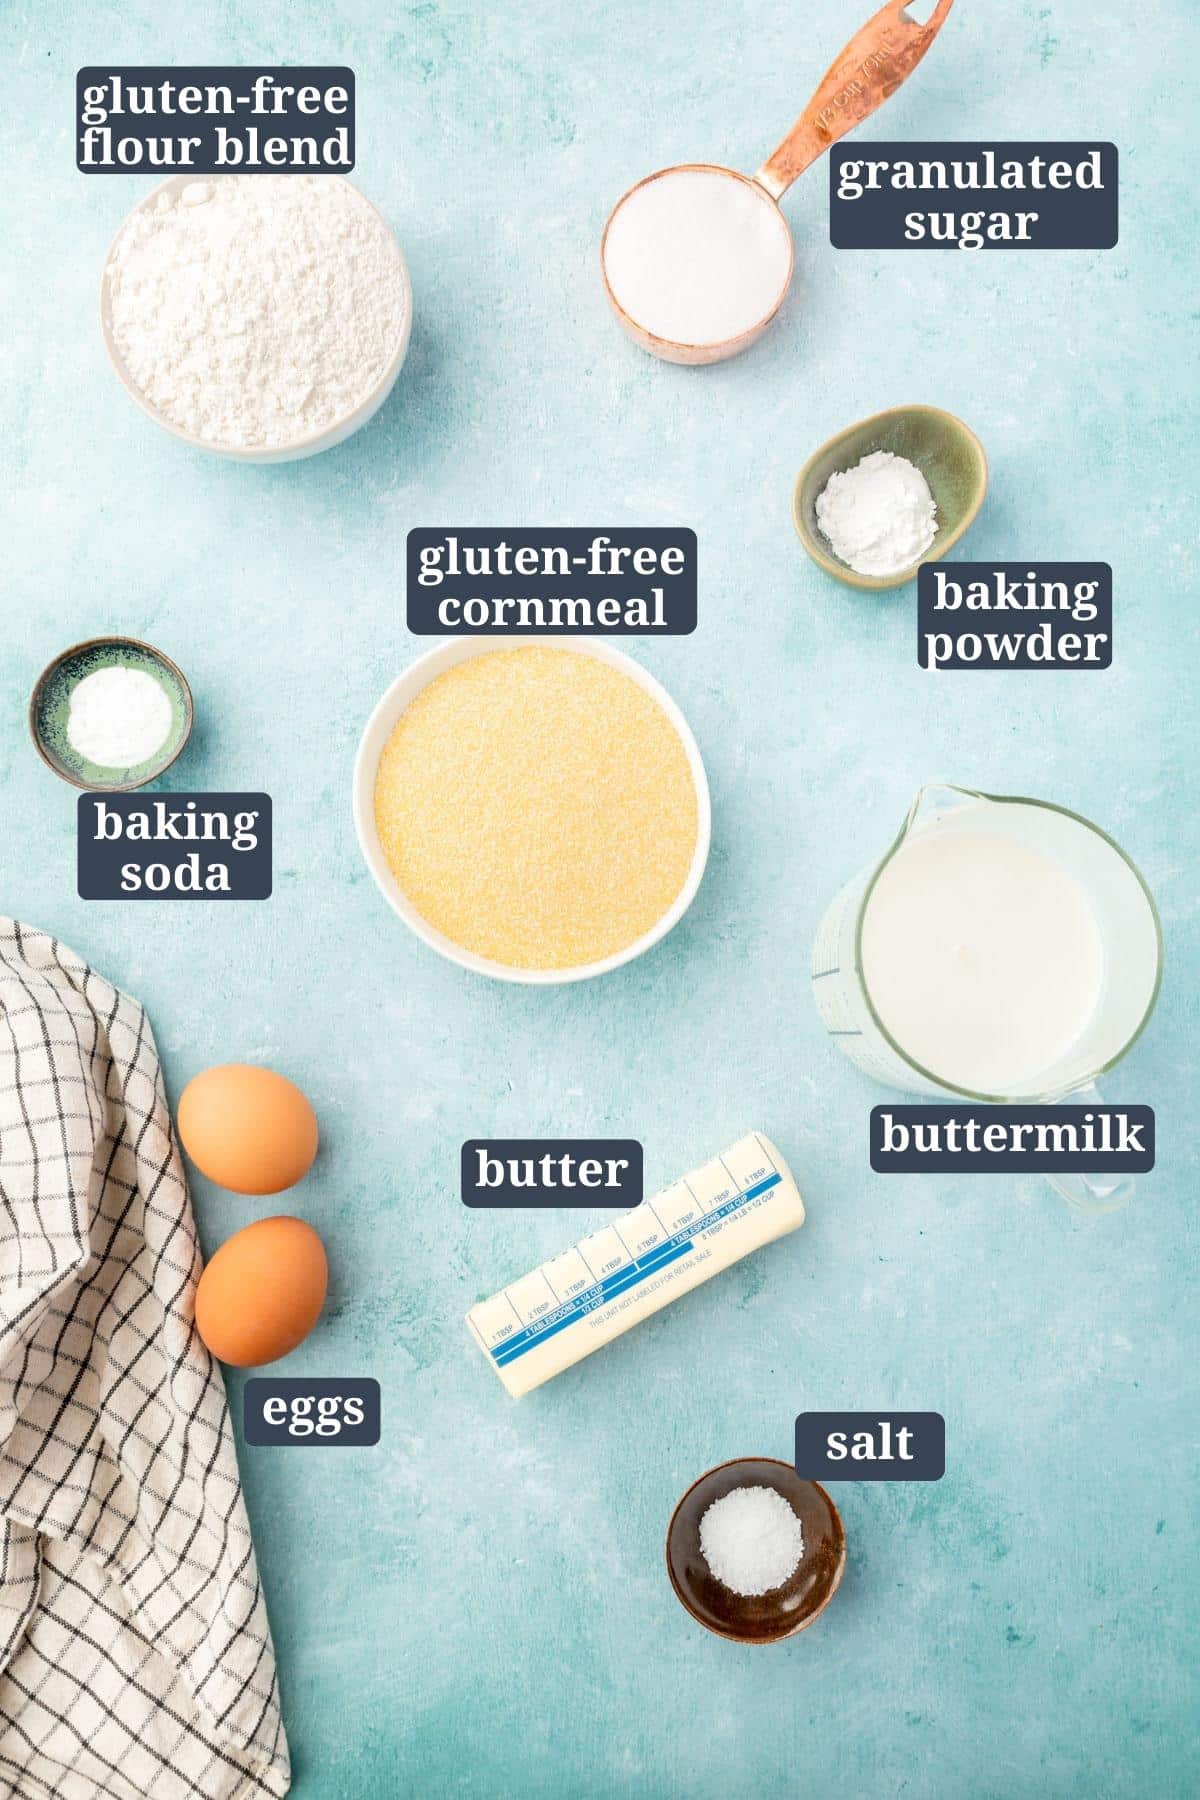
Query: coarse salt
[[256, 311], [879, 516], [696, 256], [751, 1540]]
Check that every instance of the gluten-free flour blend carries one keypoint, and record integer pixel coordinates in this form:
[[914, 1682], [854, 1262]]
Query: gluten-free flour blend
[[254, 311], [537, 807]]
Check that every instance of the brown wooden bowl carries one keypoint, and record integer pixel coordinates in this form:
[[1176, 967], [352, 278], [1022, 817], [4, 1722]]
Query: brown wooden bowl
[[786, 1610]]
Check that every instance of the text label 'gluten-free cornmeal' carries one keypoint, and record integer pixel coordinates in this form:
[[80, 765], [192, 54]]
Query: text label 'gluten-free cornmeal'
[[558, 581], [559, 1313]]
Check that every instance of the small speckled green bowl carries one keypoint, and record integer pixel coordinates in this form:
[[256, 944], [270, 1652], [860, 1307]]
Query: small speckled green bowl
[[50, 704], [946, 451]]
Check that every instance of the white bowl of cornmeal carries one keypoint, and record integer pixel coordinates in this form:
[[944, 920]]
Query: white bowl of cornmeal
[[535, 811]]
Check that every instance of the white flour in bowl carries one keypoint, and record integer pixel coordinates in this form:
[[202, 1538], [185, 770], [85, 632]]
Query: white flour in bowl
[[255, 311]]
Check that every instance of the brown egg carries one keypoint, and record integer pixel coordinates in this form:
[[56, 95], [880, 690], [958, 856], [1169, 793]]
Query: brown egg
[[263, 1291], [247, 1128]]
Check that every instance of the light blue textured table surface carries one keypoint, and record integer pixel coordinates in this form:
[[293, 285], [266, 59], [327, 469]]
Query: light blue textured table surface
[[479, 1605]]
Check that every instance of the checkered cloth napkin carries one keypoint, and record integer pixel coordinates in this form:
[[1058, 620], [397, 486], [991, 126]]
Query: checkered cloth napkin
[[135, 1655]]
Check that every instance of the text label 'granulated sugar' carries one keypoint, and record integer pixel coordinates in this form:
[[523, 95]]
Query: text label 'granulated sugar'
[[973, 196]]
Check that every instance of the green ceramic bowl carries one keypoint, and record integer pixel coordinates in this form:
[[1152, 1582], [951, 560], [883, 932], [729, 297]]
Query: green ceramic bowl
[[947, 452], [50, 704]]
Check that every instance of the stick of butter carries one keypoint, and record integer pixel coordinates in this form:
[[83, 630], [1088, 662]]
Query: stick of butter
[[575, 1303]]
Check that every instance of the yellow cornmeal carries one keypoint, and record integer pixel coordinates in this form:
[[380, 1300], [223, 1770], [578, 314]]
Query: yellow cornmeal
[[536, 806]]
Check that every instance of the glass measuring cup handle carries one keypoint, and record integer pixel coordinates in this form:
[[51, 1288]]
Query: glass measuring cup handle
[[876, 61], [1092, 1193]]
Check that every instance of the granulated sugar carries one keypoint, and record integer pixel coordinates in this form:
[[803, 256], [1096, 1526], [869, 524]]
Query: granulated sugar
[[253, 311], [879, 516], [696, 256], [536, 806], [751, 1540]]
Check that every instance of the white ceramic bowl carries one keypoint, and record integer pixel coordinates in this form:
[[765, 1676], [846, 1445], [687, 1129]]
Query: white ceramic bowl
[[317, 441], [400, 696]]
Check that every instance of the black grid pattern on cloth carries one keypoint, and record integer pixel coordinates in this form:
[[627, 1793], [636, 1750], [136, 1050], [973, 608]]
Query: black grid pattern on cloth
[[135, 1653]]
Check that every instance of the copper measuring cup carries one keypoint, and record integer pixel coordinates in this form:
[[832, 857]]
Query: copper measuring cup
[[876, 61]]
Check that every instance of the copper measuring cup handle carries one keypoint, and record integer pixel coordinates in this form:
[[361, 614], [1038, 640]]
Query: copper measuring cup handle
[[876, 61]]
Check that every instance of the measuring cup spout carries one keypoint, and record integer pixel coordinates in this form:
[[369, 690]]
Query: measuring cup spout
[[876, 61], [936, 798]]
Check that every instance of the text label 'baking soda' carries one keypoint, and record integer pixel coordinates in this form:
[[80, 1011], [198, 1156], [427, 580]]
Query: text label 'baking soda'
[[464, 583], [552, 1172], [1001, 1140], [870, 1446], [174, 847], [1053, 615], [209, 121], [973, 196], [281, 1410]]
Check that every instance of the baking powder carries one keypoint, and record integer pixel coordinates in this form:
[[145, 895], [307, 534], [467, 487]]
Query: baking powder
[[254, 311], [879, 516]]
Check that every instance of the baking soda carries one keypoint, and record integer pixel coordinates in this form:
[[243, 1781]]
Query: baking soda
[[697, 257], [255, 311], [879, 516], [118, 718], [751, 1540]]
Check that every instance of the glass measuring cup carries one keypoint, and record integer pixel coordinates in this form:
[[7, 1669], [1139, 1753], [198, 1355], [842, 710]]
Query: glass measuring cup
[[1127, 921], [876, 61]]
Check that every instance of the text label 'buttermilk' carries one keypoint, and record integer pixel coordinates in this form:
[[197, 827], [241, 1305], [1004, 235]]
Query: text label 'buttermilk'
[[1045, 1140]]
